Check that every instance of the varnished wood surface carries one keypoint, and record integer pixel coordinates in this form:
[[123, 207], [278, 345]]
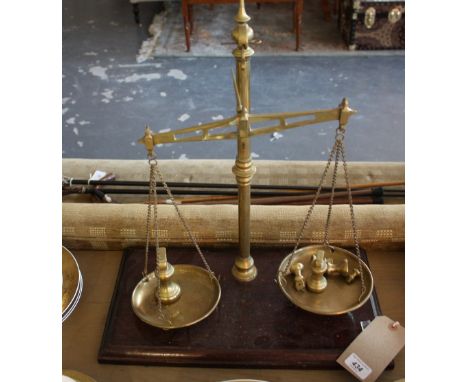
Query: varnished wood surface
[[82, 332]]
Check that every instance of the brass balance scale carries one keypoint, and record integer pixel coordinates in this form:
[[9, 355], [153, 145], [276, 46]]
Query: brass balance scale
[[322, 279]]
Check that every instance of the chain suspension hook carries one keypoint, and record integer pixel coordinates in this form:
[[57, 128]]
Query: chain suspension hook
[[340, 133], [152, 160]]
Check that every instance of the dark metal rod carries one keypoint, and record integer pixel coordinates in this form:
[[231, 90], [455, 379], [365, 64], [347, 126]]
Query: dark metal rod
[[138, 183], [374, 192], [341, 200], [175, 191]]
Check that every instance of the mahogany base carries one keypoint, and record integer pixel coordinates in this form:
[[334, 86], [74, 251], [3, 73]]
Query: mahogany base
[[254, 325]]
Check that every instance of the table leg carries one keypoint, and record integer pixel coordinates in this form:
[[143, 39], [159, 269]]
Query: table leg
[[185, 15], [299, 8], [190, 12], [326, 10], [294, 17]]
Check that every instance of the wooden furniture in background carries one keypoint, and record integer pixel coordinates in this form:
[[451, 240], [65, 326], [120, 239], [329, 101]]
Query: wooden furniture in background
[[187, 13]]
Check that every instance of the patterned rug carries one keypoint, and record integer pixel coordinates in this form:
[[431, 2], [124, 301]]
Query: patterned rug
[[272, 25]]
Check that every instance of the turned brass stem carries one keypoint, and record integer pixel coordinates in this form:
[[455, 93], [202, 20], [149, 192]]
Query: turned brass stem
[[169, 291], [244, 268]]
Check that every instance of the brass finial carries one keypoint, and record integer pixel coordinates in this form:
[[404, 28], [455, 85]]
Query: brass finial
[[242, 33], [147, 140], [242, 16], [345, 112]]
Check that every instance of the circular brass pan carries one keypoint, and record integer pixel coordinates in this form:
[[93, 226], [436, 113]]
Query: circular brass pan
[[200, 295], [70, 279], [339, 297]]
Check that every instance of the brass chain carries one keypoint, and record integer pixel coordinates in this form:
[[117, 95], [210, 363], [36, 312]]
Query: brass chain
[[152, 211], [332, 195], [311, 208], [150, 204], [337, 151], [156, 237], [182, 219], [353, 218]]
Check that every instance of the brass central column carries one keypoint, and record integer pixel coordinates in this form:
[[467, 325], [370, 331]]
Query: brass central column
[[244, 268]]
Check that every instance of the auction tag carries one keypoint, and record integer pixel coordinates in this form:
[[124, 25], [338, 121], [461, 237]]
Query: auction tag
[[97, 175], [372, 350]]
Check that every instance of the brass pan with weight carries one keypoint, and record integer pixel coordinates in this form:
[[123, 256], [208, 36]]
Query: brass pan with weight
[[322, 279]]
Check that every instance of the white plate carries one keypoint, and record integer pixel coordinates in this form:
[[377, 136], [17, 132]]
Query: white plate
[[74, 303]]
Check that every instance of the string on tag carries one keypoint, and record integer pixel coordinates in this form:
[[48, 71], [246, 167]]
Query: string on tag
[[395, 325]]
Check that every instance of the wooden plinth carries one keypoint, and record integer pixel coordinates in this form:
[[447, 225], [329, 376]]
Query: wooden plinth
[[254, 325]]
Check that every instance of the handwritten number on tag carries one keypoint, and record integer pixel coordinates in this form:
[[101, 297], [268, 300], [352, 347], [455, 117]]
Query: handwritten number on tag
[[358, 366]]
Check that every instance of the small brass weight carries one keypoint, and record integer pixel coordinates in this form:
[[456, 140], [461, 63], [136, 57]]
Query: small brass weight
[[176, 296], [320, 266], [317, 281]]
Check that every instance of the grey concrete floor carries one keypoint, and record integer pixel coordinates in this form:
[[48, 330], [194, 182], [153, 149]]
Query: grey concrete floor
[[108, 98]]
